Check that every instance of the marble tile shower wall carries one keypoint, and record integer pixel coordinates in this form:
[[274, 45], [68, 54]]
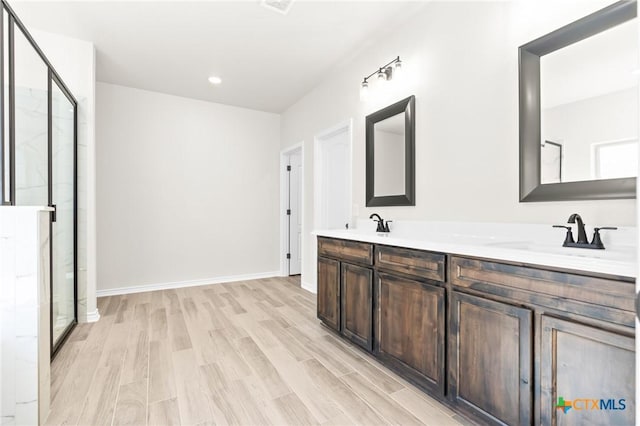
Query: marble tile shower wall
[[24, 315], [31, 147]]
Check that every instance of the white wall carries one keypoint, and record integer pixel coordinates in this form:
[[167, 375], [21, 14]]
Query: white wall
[[186, 190], [74, 60], [461, 62]]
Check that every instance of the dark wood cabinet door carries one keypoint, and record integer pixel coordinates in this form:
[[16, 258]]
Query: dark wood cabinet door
[[410, 329], [592, 370], [490, 368], [329, 292], [357, 304]]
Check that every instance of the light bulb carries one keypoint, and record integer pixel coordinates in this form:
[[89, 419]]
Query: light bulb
[[382, 76], [215, 80], [364, 91], [398, 68]]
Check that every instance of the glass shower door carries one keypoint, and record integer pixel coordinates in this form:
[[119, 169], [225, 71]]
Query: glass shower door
[[63, 289], [38, 150]]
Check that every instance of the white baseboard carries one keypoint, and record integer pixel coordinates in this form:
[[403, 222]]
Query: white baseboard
[[181, 284], [308, 287], [93, 316]]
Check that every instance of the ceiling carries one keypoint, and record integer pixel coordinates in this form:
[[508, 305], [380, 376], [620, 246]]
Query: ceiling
[[267, 61]]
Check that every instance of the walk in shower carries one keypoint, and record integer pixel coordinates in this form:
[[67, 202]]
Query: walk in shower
[[38, 149]]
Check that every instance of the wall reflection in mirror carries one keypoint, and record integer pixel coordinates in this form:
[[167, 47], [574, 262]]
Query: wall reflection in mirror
[[589, 108], [389, 159]]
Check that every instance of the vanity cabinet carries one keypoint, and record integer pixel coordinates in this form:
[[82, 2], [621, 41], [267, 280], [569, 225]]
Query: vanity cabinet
[[410, 325], [490, 359], [582, 343], [500, 342]]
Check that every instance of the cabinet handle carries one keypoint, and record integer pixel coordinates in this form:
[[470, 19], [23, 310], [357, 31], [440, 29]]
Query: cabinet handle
[[525, 381]]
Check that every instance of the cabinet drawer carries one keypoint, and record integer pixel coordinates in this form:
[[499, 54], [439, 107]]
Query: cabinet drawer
[[346, 250], [606, 299], [418, 263]]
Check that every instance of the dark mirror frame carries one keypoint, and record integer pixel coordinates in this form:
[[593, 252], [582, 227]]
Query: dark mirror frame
[[406, 106], [531, 188]]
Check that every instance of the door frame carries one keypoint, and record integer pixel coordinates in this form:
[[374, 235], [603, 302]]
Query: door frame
[[53, 79], [318, 163], [284, 204]]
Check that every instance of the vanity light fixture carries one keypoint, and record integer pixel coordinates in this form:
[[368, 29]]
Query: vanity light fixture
[[384, 73], [215, 80]]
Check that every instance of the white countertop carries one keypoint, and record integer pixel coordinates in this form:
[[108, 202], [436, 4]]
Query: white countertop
[[532, 244], [28, 208]]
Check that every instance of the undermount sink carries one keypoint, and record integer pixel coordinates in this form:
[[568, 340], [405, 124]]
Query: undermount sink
[[627, 253]]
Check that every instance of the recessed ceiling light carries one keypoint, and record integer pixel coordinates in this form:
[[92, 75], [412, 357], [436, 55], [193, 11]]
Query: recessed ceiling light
[[280, 6], [215, 80]]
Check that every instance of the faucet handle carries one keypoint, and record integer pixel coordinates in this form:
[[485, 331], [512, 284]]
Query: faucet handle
[[568, 239], [596, 242]]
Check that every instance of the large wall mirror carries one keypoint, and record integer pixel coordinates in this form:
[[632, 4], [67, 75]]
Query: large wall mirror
[[579, 109], [390, 140]]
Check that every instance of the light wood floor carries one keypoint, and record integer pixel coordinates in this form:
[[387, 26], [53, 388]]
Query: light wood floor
[[245, 353]]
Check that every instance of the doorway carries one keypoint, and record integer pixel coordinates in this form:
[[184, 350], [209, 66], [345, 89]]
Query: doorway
[[292, 196]]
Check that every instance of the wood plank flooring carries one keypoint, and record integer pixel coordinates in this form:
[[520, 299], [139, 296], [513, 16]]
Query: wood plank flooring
[[244, 353]]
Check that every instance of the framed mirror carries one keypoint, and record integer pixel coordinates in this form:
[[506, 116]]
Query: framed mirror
[[390, 163], [579, 109]]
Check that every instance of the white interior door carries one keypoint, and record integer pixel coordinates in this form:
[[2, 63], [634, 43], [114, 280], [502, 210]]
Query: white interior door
[[295, 218], [335, 180]]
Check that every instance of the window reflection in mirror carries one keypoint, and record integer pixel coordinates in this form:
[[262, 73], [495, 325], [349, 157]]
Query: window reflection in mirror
[[589, 108], [389, 158]]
